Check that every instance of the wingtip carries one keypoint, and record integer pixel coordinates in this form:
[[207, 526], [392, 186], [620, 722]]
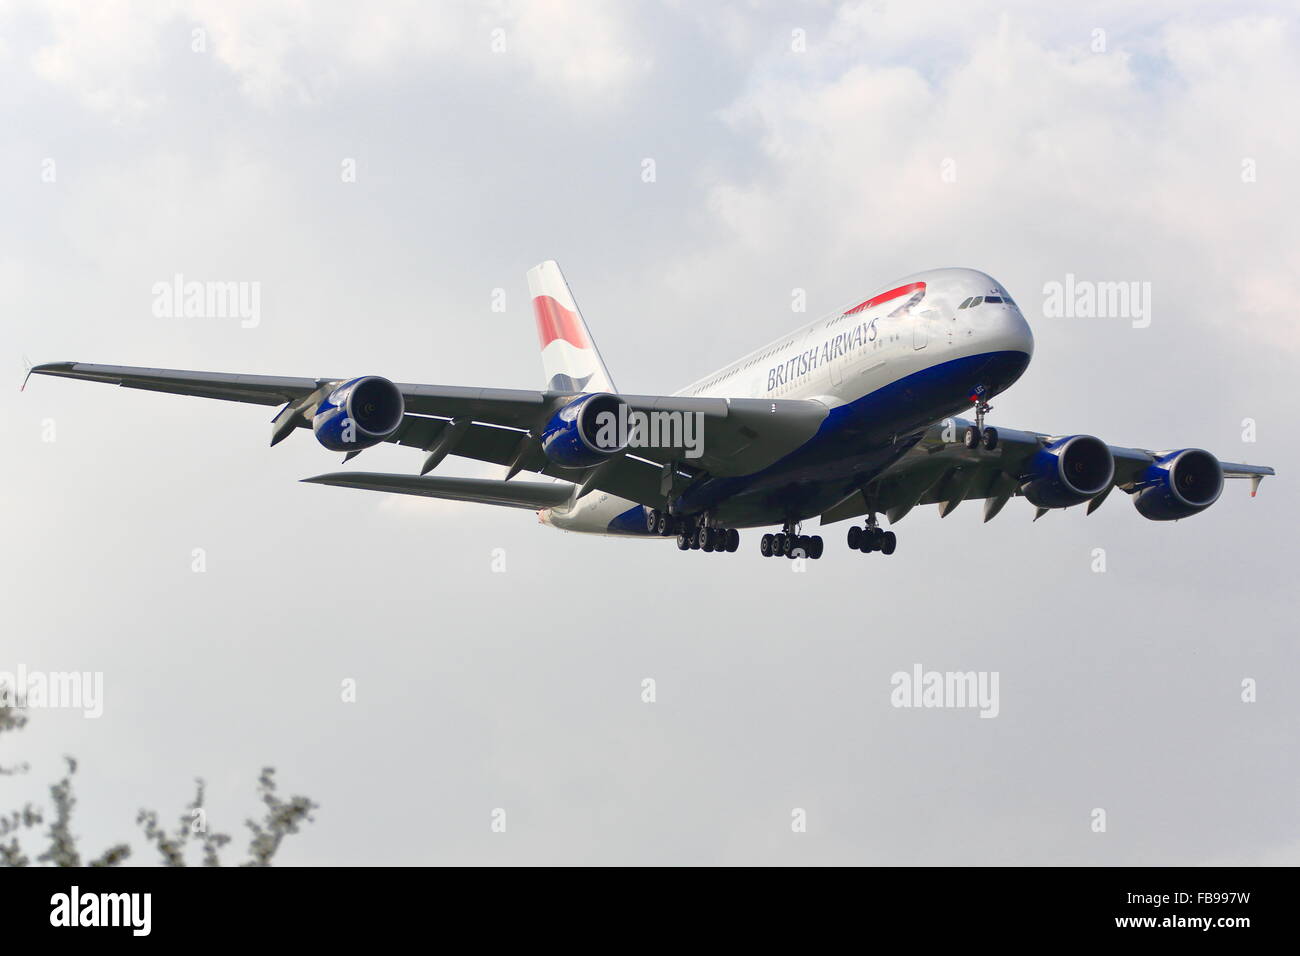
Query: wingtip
[[45, 368], [334, 478], [29, 369]]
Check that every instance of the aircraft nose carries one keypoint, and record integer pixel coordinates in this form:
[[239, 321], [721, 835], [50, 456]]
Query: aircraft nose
[[1024, 334], [1012, 332]]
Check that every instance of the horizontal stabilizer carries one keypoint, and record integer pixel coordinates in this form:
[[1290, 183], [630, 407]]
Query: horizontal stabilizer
[[512, 494]]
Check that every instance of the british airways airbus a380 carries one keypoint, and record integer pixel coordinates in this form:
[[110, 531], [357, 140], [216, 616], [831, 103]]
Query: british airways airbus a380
[[851, 415]]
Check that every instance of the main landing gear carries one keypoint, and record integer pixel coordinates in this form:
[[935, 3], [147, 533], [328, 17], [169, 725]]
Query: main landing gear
[[977, 434], [692, 535], [872, 538], [703, 538], [788, 543]]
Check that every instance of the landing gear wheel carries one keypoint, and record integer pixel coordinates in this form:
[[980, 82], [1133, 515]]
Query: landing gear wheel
[[780, 541], [972, 437], [990, 438], [697, 539], [733, 540], [683, 541], [855, 537], [707, 538], [765, 545], [870, 540], [888, 542], [815, 546], [652, 521]]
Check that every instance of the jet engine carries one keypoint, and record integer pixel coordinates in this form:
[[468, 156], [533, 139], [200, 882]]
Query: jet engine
[[1068, 472], [587, 431], [1178, 485], [359, 413]]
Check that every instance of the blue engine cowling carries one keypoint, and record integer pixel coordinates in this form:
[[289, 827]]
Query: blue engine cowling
[[1068, 472], [587, 431], [359, 413], [1178, 485]]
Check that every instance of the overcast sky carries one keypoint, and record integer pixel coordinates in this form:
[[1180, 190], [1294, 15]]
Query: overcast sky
[[829, 148]]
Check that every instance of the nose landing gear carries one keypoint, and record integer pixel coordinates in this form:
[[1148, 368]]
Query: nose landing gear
[[977, 434]]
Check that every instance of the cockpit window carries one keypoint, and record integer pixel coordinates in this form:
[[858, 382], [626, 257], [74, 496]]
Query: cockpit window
[[967, 303], [975, 301], [993, 298]]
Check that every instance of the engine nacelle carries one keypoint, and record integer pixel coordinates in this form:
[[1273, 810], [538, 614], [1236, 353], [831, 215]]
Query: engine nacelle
[[1179, 484], [1068, 472], [587, 431], [358, 414]]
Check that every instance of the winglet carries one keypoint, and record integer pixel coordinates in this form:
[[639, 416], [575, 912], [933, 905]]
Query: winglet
[[27, 367], [1254, 484]]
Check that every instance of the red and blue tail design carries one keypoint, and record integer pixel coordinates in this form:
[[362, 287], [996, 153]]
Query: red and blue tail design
[[569, 355]]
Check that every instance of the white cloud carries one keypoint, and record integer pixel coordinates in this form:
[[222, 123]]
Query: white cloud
[[285, 52], [1101, 152]]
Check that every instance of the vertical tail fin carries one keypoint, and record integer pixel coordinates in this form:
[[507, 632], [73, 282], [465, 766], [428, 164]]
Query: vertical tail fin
[[569, 355]]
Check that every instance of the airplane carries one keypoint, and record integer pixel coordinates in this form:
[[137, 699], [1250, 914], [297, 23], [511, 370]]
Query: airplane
[[853, 415]]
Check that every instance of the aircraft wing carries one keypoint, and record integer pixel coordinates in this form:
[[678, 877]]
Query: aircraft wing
[[940, 470], [740, 436], [257, 389], [514, 494]]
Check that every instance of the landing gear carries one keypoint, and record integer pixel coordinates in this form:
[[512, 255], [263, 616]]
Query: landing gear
[[790, 544], [698, 536], [977, 435], [985, 437], [661, 523], [719, 539], [872, 538]]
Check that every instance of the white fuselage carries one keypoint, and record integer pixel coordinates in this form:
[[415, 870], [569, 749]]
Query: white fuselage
[[903, 328]]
